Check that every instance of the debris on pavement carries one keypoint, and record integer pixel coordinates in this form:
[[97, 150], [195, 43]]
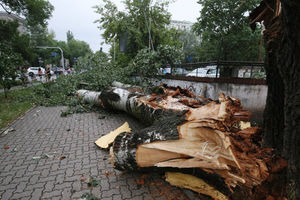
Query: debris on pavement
[[193, 183], [140, 181], [83, 179], [44, 156], [88, 196], [190, 133], [61, 157], [107, 173], [93, 182], [6, 147], [8, 131], [101, 117], [106, 140]]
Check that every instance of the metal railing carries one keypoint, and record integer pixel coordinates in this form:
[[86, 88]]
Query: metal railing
[[217, 69]]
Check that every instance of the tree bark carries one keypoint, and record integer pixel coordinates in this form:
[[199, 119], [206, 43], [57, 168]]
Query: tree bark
[[289, 65], [282, 112], [125, 144], [274, 110], [130, 100], [90, 97]]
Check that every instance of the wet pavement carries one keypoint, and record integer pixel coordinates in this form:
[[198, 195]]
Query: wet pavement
[[50, 157]]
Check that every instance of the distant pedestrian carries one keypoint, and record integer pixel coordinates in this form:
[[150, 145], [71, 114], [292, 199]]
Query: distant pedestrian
[[56, 72], [69, 70], [40, 72], [32, 76], [48, 75]]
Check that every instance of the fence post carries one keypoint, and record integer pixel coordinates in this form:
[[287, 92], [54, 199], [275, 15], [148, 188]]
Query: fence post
[[217, 69], [219, 55]]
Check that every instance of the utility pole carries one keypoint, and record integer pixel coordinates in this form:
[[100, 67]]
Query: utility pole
[[61, 51]]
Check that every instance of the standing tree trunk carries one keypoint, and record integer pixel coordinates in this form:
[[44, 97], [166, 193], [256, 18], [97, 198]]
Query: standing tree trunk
[[282, 113], [274, 110], [289, 66]]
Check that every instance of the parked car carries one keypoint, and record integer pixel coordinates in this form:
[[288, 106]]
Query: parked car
[[165, 70], [173, 71], [208, 71], [34, 71], [179, 71]]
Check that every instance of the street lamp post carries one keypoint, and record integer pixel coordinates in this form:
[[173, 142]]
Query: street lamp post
[[61, 51]]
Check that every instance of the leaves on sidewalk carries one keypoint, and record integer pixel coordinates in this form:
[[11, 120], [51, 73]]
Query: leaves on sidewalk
[[83, 179], [87, 196], [93, 182], [61, 157]]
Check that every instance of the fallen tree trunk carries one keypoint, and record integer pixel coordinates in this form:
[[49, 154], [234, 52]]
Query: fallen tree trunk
[[91, 97], [131, 100], [189, 132]]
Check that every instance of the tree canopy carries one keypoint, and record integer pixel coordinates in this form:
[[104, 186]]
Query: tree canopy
[[190, 43], [76, 49], [72, 48], [143, 23], [70, 36], [34, 11], [15, 51], [225, 32]]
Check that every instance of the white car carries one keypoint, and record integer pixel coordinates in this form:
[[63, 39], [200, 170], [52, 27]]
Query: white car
[[34, 71], [209, 71]]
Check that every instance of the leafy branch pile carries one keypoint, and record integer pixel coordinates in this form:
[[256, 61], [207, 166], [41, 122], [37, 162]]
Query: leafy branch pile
[[62, 90], [95, 72]]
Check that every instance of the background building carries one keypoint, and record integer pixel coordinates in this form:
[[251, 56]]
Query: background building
[[181, 25], [22, 28]]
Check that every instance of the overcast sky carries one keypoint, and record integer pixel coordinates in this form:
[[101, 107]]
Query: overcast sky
[[78, 16]]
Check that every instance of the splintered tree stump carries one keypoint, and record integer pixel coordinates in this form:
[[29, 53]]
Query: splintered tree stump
[[189, 133], [125, 145]]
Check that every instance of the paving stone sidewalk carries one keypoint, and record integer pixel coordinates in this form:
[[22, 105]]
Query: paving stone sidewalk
[[43, 133]]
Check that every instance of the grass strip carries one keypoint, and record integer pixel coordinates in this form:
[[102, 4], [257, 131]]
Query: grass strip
[[17, 103]]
